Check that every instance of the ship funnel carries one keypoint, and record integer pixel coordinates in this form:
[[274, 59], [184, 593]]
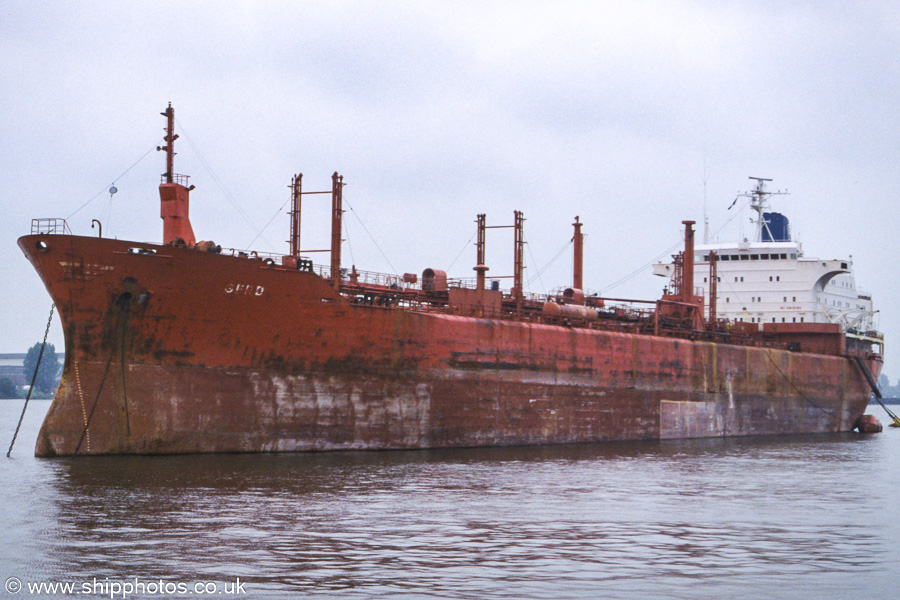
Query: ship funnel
[[777, 227]]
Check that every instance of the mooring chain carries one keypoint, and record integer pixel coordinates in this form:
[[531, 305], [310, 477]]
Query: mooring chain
[[33, 379]]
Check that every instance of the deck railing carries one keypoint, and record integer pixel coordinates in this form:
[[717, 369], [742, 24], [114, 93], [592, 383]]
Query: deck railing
[[50, 227], [184, 180]]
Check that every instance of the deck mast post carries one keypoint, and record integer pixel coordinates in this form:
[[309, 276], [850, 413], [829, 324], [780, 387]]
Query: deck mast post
[[480, 267], [577, 277], [337, 211], [296, 194], [687, 289], [174, 195], [519, 259], [713, 287]]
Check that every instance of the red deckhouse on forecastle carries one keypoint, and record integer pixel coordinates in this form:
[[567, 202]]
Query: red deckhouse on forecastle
[[182, 347]]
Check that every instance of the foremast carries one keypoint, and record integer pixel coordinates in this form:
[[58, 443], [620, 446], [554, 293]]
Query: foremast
[[174, 193]]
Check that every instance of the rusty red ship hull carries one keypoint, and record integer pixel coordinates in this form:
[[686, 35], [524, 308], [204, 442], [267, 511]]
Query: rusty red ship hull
[[174, 350]]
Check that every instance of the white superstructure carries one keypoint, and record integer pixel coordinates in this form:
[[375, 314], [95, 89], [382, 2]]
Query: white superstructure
[[769, 280]]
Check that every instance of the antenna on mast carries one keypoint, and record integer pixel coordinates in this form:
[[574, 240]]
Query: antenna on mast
[[705, 217], [759, 202]]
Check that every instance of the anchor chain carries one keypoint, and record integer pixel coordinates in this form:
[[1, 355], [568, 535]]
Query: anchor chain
[[876, 391], [33, 379]]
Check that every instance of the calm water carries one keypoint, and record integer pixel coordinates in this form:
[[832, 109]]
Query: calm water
[[807, 517]]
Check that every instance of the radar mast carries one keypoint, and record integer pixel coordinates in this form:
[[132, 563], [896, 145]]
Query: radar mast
[[759, 202]]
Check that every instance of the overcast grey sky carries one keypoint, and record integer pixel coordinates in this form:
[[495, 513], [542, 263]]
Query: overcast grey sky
[[624, 113]]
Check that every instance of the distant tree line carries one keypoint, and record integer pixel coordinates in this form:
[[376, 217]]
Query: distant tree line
[[8, 389], [47, 378], [888, 390]]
